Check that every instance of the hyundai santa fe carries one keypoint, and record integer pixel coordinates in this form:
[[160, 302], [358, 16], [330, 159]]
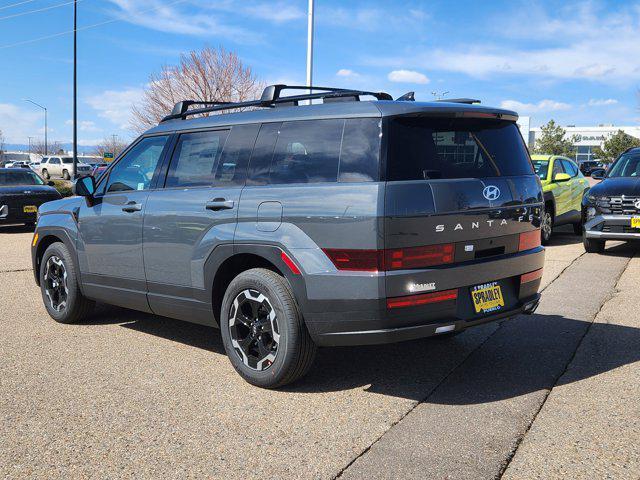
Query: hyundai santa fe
[[290, 226]]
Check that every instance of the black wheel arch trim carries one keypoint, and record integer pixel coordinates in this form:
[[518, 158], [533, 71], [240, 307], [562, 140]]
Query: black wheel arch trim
[[62, 235], [550, 198]]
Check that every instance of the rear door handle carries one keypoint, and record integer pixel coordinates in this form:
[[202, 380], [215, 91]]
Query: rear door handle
[[132, 207], [219, 204]]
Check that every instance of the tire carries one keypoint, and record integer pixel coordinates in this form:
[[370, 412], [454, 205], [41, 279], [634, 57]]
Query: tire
[[265, 303], [577, 228], [592, 245], [546, 225], [65, 175], [45, 174], [64, 307]]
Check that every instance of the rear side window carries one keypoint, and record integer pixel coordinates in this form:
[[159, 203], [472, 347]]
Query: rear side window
[[432, 148], [195, 158], [307, 152], [232, 167], [360, 153]]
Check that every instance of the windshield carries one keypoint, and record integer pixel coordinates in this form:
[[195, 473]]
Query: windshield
[[20, 177], [628, 165], [422, 148], [541, 168]]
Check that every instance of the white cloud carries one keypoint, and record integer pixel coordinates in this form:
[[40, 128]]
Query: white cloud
[[595, 102], [541, 106], [345, 72], [277, 12], [18, 123], [407, 76], [115, 105], [84, 125]]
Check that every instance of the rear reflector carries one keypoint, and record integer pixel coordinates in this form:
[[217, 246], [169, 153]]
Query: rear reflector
[[290, 263], [418, 257], [529, 240], [531, 276], [422, 299]]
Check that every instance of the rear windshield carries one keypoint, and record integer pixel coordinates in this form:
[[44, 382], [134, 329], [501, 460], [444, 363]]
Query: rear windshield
[[423, 148], [20, 177]]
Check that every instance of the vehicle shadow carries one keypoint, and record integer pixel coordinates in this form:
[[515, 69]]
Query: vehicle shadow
[[520, 356], [17, 229]]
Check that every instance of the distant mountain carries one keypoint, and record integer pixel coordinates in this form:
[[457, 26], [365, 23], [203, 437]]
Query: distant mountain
[[21, 147]]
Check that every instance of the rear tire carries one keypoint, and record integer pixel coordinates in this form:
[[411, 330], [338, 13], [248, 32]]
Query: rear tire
[[577, 228], [546, 225], [59, 286], [263, 332], [592, 245]]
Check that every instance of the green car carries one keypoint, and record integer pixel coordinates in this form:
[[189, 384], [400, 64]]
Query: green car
[[564, 186]]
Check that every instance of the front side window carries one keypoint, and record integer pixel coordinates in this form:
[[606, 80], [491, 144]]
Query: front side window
[[570, 168], [195, 159], [422, 148], [628, 165], [557, 168], [135, 171]]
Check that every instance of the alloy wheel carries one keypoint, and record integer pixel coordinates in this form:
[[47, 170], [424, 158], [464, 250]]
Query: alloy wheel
[[546, 225], [253, 328], [55, 283]]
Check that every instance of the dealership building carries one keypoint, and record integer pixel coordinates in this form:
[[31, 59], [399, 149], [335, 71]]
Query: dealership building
[[587, 138]]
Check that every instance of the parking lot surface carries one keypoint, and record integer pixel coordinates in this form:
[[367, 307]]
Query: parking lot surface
[[552, 395]]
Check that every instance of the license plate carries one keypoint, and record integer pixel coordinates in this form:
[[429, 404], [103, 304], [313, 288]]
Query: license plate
[[635, 222], [487, 297], [30, 209]]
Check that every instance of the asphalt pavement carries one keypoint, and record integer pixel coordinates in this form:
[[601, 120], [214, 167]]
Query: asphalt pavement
[[134, 395]]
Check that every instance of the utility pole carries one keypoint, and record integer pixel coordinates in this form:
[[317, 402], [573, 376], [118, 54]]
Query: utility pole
[[75, 90], [46, 151], [29, 147], [310, 46]]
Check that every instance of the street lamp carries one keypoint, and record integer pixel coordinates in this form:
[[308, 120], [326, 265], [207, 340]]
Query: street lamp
[[46, 151], [75, 89]]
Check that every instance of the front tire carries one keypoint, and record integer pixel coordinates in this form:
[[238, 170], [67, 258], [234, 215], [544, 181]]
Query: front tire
[[263, 331], [65, 175], [546, 226], [592, 245], [577, 228], [59, 286], [45, 174]]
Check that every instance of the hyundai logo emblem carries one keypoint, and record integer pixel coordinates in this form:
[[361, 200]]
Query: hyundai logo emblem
[[491, 192]]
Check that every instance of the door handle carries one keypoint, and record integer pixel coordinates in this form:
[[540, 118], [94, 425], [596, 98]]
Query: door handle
[[219, 204], [132, 207]]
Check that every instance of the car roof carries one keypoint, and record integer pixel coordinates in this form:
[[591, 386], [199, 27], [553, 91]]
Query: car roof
[[350, 109]]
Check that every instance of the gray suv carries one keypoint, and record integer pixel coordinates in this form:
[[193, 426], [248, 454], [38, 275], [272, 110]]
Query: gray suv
[[340, 222]]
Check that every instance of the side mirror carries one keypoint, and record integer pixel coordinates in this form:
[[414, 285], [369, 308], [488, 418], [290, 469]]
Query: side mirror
[[598, 174], [562, 177], [85, 186]]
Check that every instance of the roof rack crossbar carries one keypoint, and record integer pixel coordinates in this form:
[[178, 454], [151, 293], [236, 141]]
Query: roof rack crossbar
[[270, 97]]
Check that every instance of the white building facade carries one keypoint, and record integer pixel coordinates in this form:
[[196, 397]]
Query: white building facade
[[587, 138]]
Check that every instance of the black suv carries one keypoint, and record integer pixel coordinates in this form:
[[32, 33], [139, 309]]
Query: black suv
[[293, 226], [611, 209]]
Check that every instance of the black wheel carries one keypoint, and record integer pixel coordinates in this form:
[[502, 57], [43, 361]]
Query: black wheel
[[59, 286], [592, 245], [577, 228], [546, 226], [262, 330], [45, 174], [65, 175]]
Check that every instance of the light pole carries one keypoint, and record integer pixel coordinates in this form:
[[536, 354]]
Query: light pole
[[46, 151], [29, 147], [75, 91], [310, 46]]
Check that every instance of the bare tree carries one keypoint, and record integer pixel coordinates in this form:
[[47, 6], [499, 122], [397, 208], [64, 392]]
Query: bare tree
[[110, 144], [1, 142], [53, 148], [208, 75]]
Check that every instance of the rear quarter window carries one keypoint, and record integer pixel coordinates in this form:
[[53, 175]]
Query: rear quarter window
[[421, 148]]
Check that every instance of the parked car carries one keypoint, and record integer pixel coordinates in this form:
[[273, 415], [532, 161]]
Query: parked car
[[99, 169], [62, 167], [21, 193], [589, 166], [564, 186], [17, 165], [339, 223], [611, 210]]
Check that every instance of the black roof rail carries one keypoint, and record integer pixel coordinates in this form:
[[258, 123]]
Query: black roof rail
[[270, 98], [468, 101]]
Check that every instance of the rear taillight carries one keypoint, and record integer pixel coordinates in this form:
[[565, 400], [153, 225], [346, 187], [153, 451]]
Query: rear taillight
[[531, 276], [418, 257], [422, 299], [391, 259], [353, 259], [529, 240]]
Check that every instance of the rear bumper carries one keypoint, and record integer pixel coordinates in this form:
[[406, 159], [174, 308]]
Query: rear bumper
[[391, 335], [10, 216], [611, 227]]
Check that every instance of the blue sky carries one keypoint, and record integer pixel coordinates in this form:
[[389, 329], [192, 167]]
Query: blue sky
[[576, 62]]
